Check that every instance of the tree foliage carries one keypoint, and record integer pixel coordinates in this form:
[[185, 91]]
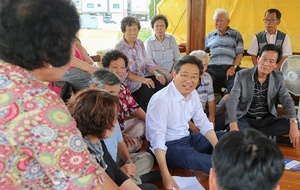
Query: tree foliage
[[153, 8]]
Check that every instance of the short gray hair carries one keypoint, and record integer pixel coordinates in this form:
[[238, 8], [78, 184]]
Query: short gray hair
[[200, 54], [220, 11], [104, 76]]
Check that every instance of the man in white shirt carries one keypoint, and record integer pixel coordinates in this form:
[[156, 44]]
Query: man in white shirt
[[271, 36], [167, 128]]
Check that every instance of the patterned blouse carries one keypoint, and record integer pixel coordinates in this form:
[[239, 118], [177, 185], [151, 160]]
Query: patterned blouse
[[138, 61], [127, 104], [40, 146]]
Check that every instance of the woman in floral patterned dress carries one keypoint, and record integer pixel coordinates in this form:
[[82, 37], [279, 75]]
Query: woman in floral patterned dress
[[40, 146]]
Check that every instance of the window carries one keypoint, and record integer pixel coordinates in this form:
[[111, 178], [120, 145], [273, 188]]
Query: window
[[116, 6], [90, 5]]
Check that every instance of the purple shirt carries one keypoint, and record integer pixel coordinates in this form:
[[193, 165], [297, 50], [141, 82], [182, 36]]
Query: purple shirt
[[138, 61]]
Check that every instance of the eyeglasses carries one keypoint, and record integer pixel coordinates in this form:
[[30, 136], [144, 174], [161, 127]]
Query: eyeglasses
[[269, 20], [186, 77]]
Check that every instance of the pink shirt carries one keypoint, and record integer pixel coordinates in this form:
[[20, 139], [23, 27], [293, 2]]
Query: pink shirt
[[58, 89], [77, 55]]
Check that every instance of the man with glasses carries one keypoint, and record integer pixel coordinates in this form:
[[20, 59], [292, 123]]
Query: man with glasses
[[271, 36], [168, 114]]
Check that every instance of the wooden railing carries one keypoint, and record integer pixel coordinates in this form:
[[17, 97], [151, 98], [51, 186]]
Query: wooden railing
[[96, 58]]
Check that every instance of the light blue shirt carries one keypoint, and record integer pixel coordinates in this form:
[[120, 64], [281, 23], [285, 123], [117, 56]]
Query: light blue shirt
[[168, 114], [163, 54], [112, 142]]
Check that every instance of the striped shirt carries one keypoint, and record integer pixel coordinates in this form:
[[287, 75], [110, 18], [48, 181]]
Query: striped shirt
[[206, 90], [224, 48], [259, 104], [163, 54]]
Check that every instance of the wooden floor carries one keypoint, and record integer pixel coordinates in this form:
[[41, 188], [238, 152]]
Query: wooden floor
[[289, 181]]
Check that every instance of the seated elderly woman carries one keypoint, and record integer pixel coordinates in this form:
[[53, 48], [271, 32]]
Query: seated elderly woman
[[95, 112], [142, 78], [132, 128], [162, 48]]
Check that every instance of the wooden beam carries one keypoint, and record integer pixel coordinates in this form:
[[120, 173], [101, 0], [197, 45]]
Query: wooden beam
[[196, 20]]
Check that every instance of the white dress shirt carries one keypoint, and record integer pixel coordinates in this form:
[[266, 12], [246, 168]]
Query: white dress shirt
[[168, 114]]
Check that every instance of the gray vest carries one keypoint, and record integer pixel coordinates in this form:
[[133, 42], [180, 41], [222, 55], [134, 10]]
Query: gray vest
[[262, 39]]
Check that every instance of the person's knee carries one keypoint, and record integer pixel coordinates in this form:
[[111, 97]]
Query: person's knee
[[144, 163], [139, 129], [220, 134], [200, 163], [136, 128], [137, 146], [243, 124], [148, 160], [147, 186]]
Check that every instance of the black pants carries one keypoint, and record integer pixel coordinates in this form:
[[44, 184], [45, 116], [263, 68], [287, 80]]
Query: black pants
[[147, 186], [218, 74], [269, 125], [144, 93], [219, 121]]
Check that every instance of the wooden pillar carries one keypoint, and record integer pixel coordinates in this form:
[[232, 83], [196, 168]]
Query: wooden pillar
[[196, 20]]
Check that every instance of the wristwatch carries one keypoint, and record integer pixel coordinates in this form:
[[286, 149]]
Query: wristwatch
[[235, 66], [296, 121]]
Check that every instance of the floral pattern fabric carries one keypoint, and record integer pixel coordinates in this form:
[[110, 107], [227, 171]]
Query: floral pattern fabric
[[40, 146], [127, 104]]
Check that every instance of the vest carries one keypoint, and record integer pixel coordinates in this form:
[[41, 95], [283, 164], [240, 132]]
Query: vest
[[262, 39]]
